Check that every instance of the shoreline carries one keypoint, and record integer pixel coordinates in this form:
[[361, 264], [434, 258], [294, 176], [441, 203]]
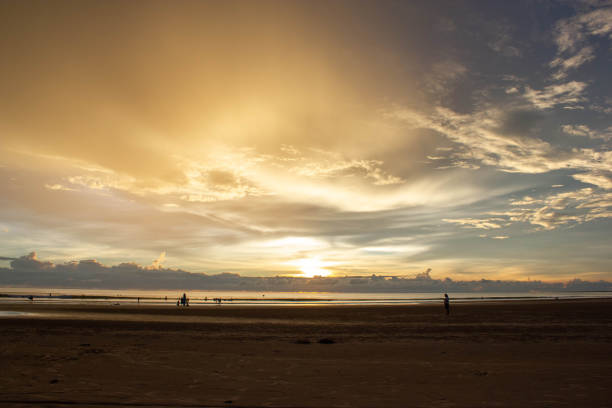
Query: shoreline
[[77, 300], [258, 302]]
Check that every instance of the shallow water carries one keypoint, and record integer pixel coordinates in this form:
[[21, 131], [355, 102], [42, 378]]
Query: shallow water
[[8, 313], [251, 298]]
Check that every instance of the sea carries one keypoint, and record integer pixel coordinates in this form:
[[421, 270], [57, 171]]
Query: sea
[[252, 298]]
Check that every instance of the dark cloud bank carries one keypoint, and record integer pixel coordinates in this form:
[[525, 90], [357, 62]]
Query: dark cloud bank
[[28, 271]]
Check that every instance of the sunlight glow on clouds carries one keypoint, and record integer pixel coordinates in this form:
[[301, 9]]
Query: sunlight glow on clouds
[[311, 267], [284, 138]]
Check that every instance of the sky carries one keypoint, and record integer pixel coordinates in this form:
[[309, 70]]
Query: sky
[[307, 138]]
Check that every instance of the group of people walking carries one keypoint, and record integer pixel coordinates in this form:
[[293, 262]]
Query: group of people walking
[[183, 300]]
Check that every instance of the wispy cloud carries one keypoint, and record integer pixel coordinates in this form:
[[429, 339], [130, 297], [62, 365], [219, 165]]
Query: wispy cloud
[[58, 187], [442, 75], [486, 223], [583, 56], [571, 36], [554, 210], [567, 94], [584, 130], [598, 179], [503, 43], [482, 140]]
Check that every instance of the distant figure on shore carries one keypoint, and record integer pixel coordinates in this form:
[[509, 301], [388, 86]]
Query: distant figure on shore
[[139, 300], [178, 303], [184, 300], [447, 304]]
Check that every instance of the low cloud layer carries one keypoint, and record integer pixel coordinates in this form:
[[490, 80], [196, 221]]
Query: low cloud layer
[[29, 271]]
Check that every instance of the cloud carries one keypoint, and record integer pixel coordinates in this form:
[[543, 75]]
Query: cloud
[[549, 219], [214, 181], [569, 94], [571, 37], [228, 174], [596, 22], [487, 223], [584, 130], [596, 178], [442, 74], [583, 56], [554, 210], [31, 262], [107, 180], [502, 43], [548, 212], [602, 109], [157, 263], [494, 137], [332, 165], [58, 187], [526, 201]]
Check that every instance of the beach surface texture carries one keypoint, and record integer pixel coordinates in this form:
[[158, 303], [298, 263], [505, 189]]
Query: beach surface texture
[[507, 354]]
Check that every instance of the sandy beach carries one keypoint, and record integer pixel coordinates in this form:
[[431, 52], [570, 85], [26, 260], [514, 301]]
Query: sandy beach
[[506, 354]]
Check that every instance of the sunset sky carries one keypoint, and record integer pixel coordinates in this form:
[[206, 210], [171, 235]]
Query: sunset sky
[[310, 137]]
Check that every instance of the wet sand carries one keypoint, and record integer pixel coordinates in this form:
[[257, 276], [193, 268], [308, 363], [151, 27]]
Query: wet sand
[[528, 353]]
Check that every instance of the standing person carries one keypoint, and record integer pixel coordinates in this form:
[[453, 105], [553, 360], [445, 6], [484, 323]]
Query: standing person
[[447, 304]]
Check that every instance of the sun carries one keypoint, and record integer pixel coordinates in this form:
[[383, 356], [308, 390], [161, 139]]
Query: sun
[[311, 267]]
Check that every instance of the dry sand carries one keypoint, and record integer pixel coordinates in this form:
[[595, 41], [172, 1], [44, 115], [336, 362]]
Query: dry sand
[[514, 354]]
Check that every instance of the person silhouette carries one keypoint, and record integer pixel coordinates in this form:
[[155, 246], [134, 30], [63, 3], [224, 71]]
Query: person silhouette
[[447, 304]]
